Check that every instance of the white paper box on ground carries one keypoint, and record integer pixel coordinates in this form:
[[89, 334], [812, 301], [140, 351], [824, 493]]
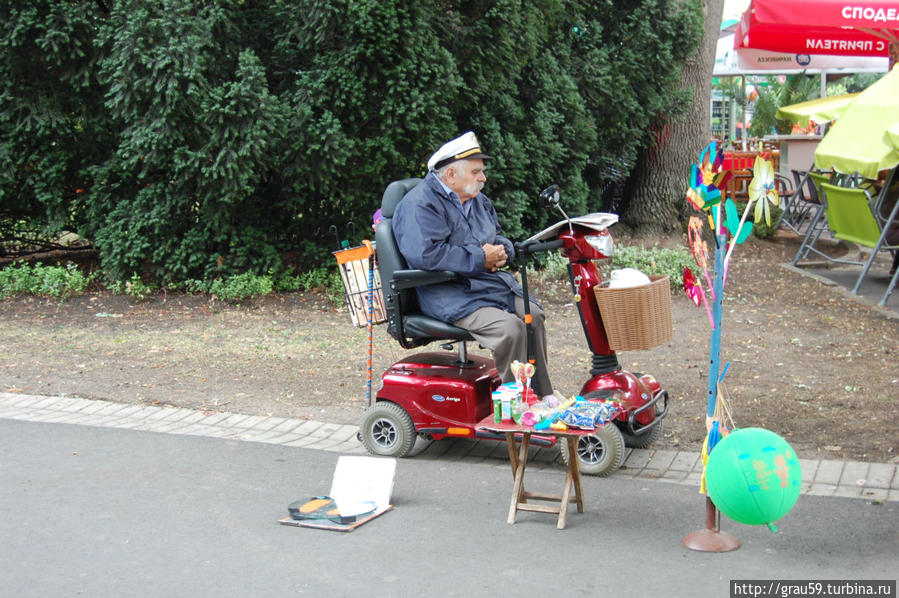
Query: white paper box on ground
[[362, 480]]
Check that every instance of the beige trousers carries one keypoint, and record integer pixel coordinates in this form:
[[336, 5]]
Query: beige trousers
[[505, 334]]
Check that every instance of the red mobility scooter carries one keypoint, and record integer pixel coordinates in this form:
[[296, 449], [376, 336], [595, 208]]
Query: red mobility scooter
[[444, 394]]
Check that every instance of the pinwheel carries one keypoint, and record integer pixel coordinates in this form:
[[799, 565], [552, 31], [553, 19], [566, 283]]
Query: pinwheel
[[701, 195], [762, 191], [695, 293], [700, 250], [706, 182]]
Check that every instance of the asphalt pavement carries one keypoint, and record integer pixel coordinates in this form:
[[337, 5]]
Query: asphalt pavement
[[143, 503]]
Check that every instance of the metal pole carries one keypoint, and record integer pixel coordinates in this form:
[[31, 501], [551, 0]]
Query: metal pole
[[528, 319], [715, 343], [371, 283], [743, 104]]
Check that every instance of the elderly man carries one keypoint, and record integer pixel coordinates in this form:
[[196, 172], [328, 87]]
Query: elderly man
[[446, 223]]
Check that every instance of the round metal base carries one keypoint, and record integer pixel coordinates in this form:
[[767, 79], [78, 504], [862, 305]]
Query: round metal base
[[709, 540]]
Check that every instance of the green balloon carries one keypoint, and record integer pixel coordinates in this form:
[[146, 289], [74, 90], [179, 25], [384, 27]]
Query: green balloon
[[753, 476]]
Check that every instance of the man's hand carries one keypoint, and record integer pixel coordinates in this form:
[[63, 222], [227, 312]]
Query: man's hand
[[494, 257]]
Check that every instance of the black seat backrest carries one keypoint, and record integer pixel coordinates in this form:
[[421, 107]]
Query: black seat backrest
[[390, 258], [809, 191], [405, 322]]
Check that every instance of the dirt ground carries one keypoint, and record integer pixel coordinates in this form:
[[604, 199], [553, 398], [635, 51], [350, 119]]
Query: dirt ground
[[806, 361]]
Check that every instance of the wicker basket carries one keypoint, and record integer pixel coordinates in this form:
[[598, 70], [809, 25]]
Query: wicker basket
[[355, 266], [637, 317]]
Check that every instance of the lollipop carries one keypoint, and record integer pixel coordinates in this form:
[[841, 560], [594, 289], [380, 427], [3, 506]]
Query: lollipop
[[523, 373]]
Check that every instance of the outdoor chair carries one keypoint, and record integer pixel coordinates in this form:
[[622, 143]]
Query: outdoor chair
[[785, 190], [818, 220], [885, 213], [800, 206], [851, 216], [738, 186], [405, 322], [800, 178]]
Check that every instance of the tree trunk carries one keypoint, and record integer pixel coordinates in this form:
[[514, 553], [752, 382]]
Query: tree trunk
[[655, 190]]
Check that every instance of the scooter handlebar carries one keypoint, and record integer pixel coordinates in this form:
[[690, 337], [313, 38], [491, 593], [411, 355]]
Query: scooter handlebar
[[538, 246]]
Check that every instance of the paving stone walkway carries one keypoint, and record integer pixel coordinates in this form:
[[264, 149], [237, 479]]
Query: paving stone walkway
[[852, 479]]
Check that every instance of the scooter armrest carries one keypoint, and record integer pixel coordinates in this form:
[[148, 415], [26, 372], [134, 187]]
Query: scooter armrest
[[409, 279]]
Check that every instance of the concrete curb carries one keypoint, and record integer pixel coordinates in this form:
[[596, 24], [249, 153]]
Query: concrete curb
[[852, 479]]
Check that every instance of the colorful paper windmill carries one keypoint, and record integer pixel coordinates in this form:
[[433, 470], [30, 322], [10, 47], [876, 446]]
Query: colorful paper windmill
[[700, 250], [707, 180], [695, 293], [762, 191]]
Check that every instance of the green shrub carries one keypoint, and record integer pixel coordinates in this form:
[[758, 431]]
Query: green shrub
[[657, 260], [556, 266], [197, 140], [134, 286], [316, 279], [240, 287], [191, 286], [50, 281], [243, 286], [287, 282], [326, 280], [761, 230]]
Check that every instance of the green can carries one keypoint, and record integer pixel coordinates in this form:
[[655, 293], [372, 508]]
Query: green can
[[497, 407]]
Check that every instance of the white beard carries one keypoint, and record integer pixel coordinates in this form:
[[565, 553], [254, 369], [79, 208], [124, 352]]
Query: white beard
[[473, 189]]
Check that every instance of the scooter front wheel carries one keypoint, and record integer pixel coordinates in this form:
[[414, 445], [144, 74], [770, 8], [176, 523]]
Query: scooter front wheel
[[387, 430], [600, 453]]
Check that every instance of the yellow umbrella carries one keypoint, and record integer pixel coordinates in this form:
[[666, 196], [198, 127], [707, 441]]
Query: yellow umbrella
[[855, 143], [891, 136], [821, 110]]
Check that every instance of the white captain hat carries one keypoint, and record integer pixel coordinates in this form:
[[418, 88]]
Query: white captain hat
[[465, 146]]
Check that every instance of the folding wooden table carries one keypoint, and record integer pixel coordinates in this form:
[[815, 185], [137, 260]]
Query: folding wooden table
[[517, 440]]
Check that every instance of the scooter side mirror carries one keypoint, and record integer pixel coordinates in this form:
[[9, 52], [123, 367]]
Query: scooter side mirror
[[549, 197]]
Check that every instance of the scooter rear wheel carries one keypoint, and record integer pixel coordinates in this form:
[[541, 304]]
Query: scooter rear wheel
[[600, 453], [387, 430]]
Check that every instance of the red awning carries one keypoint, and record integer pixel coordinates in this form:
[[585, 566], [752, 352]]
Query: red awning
[[858, 14], [835, 27]]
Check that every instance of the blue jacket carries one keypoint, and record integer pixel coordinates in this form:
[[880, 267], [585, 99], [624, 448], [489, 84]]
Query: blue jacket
[[433, 233]]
